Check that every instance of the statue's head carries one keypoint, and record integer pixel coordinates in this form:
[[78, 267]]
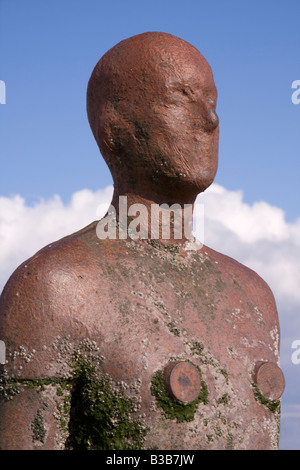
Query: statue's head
[[151, 104]]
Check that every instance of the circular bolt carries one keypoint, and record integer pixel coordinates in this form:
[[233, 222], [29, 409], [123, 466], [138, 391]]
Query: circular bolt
[[182, 381], [269, 379]]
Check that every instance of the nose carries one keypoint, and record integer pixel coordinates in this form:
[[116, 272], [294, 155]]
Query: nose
[[213, 118]]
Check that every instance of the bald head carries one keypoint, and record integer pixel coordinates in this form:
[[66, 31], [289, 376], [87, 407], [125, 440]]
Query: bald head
[[151, 106]]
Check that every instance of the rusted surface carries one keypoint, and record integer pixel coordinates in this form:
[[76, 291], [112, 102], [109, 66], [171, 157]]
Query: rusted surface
[[270, 380], [123, 309], [182, 381]]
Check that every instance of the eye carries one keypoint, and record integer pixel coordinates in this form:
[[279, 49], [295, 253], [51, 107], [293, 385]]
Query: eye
[[184, 92]]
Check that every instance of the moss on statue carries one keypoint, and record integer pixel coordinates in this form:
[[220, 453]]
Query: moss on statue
[[92, 411], [172, 408], [101, 414], [272, 405], [38, 428]]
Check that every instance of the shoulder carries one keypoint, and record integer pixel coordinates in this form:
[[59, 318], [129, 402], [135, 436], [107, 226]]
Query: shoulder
[[241, 278], [59, 259], [41, 299]]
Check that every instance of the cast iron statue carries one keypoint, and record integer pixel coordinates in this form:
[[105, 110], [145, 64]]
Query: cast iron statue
[[128, 342]]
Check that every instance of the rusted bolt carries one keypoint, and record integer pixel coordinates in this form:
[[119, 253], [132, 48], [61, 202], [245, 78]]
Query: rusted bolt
[[182, 381], [269, 379]]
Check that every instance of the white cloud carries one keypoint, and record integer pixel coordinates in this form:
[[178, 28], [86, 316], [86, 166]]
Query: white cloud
[[249, 223]]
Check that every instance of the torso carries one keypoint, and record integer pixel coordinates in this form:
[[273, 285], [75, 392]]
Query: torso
[[144, 305]]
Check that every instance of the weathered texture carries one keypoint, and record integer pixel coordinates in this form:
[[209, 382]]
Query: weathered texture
[[90, 325]]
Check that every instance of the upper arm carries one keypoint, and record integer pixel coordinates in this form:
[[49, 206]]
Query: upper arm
[[32, 383]]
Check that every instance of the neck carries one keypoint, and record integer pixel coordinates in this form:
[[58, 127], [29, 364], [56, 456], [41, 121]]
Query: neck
[[153, 217]]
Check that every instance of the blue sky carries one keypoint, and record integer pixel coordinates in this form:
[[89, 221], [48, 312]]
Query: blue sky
[[49, 49], [48, 52]]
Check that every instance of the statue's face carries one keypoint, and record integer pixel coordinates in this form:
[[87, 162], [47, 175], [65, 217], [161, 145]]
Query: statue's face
[[184, 126], [151, 103]]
